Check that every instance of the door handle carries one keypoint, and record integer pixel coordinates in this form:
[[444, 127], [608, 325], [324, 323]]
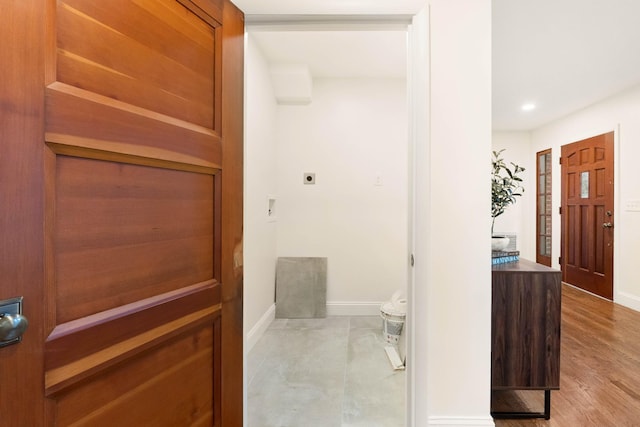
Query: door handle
[[12, 326], [12, 322], [607, 225]]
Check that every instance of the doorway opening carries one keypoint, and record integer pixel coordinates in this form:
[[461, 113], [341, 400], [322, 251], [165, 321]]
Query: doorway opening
[[351, 131]]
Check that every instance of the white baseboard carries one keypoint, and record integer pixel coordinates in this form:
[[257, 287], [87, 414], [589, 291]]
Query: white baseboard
[[461, 422], [628, 300], [623, 298], [334, 308], [353, 308], [260, 327]]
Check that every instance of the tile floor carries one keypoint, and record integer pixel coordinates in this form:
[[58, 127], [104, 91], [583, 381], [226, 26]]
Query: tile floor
[[329, 372]]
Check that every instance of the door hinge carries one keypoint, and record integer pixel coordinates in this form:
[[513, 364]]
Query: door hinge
[[559, 160], [412, 260], [560, 260], [560, 210]]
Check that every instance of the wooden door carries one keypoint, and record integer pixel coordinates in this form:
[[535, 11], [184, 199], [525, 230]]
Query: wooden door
[[121, 211], [588, 215]]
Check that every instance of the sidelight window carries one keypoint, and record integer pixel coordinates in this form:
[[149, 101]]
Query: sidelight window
[[543, 209]]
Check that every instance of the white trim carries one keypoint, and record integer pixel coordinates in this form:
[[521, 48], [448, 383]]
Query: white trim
[[418, 99], [261, 22], [628, 300], [618, 296], [461, 422], [260, 327], [353, 308], [418, 395]]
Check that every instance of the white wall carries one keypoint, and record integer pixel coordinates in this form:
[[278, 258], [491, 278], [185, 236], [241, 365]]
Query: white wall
[[260, 181], [618, 113], [353, 133], [457, 275], [520, 217]]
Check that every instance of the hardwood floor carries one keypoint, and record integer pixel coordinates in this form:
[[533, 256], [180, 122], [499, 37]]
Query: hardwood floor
[[599, 368]]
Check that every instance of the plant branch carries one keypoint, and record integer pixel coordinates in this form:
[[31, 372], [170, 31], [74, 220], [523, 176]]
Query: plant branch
[[505, 185]]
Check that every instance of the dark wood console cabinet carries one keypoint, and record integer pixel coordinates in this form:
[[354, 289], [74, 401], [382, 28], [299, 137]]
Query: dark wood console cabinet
[[525, 331]]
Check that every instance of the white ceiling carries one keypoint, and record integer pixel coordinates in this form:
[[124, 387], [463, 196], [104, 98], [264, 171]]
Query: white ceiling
[[338, 53], [562, 55]]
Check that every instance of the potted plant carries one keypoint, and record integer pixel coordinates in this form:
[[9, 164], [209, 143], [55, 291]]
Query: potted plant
[[506, 185]]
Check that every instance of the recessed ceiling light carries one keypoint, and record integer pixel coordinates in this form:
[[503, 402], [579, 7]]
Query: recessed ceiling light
[[528, 107]]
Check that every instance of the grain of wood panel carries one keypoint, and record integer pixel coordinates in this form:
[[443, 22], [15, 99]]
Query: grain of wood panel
[[122, 50], [207, 10], [163, 26], [170, 385], [525, 327], [82, 119], [61, 378], [77, 339], [600, 183], [232, 228], [218, 368], [21, 213], [117, 105], [525, 324], [82, 73], [126, 232], [600, 360]]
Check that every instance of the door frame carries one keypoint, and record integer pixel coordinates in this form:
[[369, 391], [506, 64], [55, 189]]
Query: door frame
[[414, 77], [617, 205]]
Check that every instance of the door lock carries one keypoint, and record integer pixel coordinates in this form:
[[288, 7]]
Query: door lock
[[607, 225], [12, 322]]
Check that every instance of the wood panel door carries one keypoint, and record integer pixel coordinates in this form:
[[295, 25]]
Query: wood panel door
[[588, 215], [121, 212]]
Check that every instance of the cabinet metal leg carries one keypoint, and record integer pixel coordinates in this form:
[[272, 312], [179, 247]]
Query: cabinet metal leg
[[547, 404]]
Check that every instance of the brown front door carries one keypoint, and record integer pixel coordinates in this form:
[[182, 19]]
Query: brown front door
[[121, 212], [587, 214]]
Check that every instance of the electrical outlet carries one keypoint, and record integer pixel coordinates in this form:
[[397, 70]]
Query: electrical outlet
[[309, 178], [632, 206]]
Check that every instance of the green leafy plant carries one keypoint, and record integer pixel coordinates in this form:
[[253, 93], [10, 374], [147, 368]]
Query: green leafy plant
[[506, 185]]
